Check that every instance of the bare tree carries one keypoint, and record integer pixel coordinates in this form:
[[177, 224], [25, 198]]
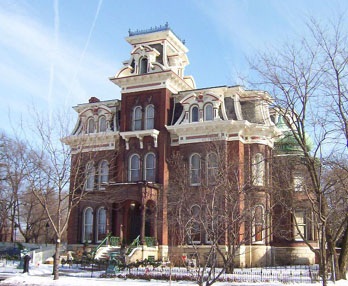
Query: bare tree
[[51, 181], [220, 211], [308, 80]]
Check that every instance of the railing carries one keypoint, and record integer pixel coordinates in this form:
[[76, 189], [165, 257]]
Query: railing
[[114, 241], [150, 241], [95, 250], [305, 275], [134, 244]]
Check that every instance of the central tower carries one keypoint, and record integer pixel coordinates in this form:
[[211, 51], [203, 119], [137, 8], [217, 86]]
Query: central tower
[[153, 72]]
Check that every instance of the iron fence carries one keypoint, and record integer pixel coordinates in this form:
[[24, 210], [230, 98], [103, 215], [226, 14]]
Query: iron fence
[[293, 274]]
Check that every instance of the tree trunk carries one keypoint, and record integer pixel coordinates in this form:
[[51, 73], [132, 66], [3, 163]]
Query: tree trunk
[[56, 261], [342, 261]]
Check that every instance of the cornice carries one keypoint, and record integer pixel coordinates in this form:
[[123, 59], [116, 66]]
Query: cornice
[[165, 79], [140, 134], [232, 130], [92, 142]]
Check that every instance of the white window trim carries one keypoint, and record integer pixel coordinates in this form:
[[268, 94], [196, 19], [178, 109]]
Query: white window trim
[[130, 167], [135, 119], [258, 170], [199, 170], [99, 123], [89, 120], [147, 117], [141, 65], [209, 168], [192, 242], [146, 168], [100, 174], [84, 225], [191, 113], [98, 216], [205, 112], [90, 165], [305, 224], [263, 232]]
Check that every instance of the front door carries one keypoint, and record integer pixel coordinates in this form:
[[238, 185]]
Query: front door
[[134, 222]]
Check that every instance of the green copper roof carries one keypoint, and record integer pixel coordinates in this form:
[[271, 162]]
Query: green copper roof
[[288, 143]]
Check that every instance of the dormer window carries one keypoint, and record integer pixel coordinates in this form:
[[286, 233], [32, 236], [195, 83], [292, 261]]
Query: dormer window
[[132, 65], [102, 124], [194, 114], [208, 112], [143, 65], [137, 118], [150, 117], [90, 125]]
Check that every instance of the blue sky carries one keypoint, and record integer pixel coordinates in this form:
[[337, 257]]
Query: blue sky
[[56, 54]]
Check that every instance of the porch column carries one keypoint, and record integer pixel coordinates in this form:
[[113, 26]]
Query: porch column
[[155, 225], [142, 228]]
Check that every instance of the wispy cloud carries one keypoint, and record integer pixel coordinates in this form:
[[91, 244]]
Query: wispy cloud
[[39, 65], [87, 42], [52, 66]]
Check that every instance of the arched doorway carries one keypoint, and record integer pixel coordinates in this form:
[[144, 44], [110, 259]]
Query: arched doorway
[[134, 221], [150, 219]]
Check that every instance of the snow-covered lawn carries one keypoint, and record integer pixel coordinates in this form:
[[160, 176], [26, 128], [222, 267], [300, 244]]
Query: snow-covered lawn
[[41, 275]]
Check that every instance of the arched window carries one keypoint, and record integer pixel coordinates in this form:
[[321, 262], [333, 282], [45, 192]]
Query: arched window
[[258, 224], [208, 112], [212, 168], [87, 229], [101, 227], [195, 169], [194, 114], [91, 125], [143, 65], [137, 118], [150, 117], [90, 173], [102, 124], [150, 167], [258, 170], [134, 168], [103, 172], [195, 226]]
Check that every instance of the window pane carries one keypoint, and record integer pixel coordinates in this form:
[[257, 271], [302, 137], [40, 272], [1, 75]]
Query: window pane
[[102, 124], [150, 167], [88, 225], [258, 170], [134, 168], [194, 114], [90, 128], [101, 223], [143, 65], [195, 169], [258, 223], [208, 112], [300, 220], [150, 117], [90, 172], [104, 172], [212, 168], [137, 118]]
